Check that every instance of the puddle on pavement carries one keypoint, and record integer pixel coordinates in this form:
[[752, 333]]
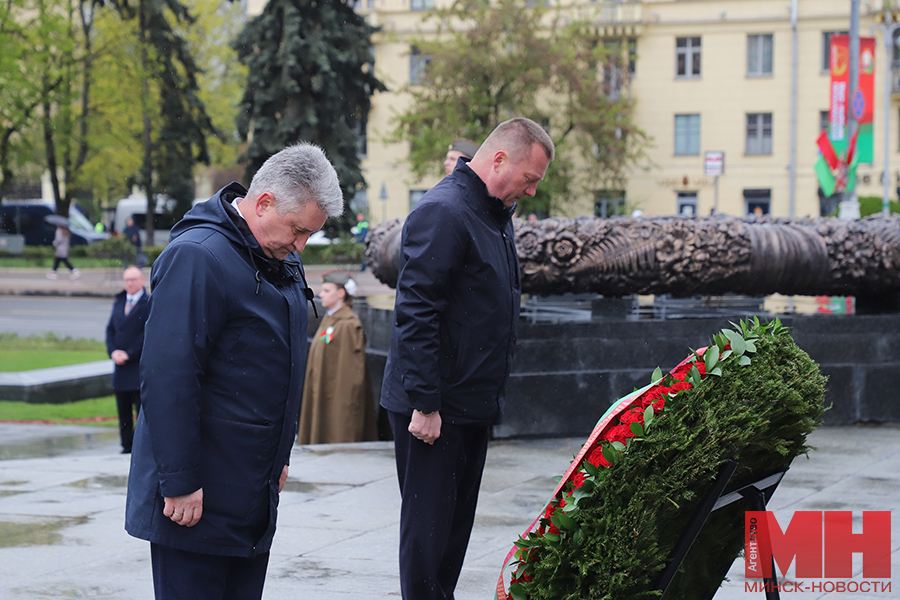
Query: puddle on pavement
[[299, 486], [54, 446], [104, 481], [35, 534]]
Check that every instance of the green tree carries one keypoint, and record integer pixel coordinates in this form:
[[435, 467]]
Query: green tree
[[311, 79], [223, 76], [175, 124], [65, 98], [489, 62], [33, 40]]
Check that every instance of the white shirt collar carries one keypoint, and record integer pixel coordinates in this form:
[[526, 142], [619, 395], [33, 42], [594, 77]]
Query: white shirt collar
[[234, 203], [134, 297]]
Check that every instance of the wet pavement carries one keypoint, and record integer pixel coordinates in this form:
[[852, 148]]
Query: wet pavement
[[62, 499]]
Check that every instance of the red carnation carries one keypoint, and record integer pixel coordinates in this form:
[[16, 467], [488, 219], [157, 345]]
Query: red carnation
[[632, 415], [619, 433], [681, 385], [578, 479], [596, 458]]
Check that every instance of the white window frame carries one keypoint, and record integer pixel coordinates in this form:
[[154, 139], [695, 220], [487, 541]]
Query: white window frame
[[418, 62], [757, 143], [692, 48], [756, 52], [688, 125]]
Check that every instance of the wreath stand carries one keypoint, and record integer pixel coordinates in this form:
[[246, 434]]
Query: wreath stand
[[758, 493]]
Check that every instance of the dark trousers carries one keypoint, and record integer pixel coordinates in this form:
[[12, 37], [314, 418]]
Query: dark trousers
[[126, 405], [182, 575], [57, 260], [439, 490]]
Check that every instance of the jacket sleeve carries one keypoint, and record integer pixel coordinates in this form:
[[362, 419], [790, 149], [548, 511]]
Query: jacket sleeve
[[136, 341], [187, 311], [111, 330], [433, 247]]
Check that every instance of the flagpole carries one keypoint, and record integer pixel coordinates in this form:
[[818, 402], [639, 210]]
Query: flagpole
[[887, 27], [850, 206]]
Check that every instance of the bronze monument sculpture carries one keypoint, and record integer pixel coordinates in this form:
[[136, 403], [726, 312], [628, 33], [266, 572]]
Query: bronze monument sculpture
[[684, 256]]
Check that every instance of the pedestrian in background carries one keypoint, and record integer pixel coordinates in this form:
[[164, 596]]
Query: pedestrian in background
[[452, 344], [222, 376], [459, 148], [338, 402], [360, 231], [124, 343], [133, 234], [61, 240]]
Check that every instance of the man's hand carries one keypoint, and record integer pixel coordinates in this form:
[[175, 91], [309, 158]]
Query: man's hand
[[426, 427], [185, 510], [283, 478], [120, 357]]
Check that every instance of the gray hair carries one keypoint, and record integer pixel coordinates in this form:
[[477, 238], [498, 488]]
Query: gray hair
[[295, 176], [517, 136]]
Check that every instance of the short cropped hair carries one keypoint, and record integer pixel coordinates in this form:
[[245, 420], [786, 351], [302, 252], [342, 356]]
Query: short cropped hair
[[517, 136], [295, 176]]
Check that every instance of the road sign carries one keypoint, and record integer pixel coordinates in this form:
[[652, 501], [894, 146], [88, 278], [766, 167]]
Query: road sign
[[714, 164]]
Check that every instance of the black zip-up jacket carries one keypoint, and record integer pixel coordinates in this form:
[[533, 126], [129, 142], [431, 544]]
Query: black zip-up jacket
[[457, 305]]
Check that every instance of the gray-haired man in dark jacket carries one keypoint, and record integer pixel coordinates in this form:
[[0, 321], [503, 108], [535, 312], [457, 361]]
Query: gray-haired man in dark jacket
[[452, 343], [221, 378]]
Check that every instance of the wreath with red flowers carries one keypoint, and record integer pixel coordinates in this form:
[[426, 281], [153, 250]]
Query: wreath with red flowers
[[611, 524]]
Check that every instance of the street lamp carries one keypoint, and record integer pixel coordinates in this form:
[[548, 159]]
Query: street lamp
[[887, 24]]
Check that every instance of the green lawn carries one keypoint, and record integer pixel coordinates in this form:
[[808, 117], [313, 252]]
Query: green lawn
[[37, 352], [98, 411]]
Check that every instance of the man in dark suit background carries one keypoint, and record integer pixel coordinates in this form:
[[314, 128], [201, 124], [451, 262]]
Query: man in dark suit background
[[124, 342]]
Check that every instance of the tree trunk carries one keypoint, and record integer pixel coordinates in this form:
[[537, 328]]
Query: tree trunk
[[147, 168]]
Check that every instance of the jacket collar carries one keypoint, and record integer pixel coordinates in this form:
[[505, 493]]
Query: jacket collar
[[480, 199]]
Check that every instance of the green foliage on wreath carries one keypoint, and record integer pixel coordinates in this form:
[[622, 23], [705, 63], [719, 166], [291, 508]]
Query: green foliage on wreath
[[756, 405]]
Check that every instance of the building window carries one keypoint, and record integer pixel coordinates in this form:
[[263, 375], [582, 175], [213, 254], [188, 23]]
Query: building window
[[687, 135], [759, 133], [418, 63], [759, 55], [757, 202], [826, 48], [824, 121], [414, 197], [609, 203], [687, 56], [686, 204], [421, 4], [612, 72], [632, 56]]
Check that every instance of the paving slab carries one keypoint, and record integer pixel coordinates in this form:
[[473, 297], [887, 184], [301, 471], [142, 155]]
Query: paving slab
[[62, 511]]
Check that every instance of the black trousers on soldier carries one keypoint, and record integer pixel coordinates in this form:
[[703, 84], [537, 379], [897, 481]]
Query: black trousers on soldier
[[439, 491]]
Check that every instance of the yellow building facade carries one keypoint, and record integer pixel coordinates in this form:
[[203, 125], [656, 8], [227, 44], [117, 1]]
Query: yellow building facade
[[708, 76]]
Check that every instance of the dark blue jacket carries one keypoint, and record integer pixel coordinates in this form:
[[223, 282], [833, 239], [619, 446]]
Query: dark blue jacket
[[126, 332], [457, 305], [221, 380]]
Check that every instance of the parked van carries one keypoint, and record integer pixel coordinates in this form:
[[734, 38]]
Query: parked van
[[27, 219], [135, 207]]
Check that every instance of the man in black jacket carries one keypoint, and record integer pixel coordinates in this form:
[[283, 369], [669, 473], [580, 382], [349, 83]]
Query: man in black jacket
[[452, 344], [124, 343]]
